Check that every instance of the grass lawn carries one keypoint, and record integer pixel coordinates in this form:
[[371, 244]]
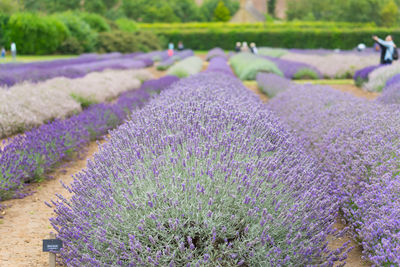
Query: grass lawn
[[200, 52], [26, 58]]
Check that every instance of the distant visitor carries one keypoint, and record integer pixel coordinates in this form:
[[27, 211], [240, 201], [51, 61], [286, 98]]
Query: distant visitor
[[253, 48], [388, 49], [13, 51], [170, 49], [3, 52], [238, 47], [180, 46]]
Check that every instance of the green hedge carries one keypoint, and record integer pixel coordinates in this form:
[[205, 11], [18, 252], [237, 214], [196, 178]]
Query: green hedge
[[202, 39], [257, 25], [35, 34], [124, 42]]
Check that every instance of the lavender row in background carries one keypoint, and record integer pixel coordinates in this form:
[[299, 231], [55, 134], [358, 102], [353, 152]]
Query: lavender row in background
[[295, 70], [218, 182], [272, 84], [179, 55], [357, 141], [216, 52], [29, 105], [35, 72], [28, 157]]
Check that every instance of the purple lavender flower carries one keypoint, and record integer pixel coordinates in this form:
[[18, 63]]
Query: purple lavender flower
[[210, 125], [357, 142]]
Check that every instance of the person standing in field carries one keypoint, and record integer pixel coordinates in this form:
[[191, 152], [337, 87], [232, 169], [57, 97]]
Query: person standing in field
[[3, 52], [13, 51], [253, 48], [180, 46], [170, 49], [245, 47], [387, 49], [237, 47]]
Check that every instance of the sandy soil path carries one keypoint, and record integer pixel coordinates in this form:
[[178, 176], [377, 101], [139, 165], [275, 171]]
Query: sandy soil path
[[354, 90], [26, 221]]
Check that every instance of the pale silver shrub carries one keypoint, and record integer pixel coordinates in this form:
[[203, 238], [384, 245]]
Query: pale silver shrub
[[377, 78], [335, 65], [28, 105]]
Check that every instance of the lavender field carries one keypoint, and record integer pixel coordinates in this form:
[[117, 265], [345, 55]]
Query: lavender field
[[194, 169]]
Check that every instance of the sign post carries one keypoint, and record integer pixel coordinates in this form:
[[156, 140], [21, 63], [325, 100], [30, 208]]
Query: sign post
[[52, 246]]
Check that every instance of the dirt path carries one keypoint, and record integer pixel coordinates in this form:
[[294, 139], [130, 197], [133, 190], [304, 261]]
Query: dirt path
[[254, 88], [354, 90], [26, 221]]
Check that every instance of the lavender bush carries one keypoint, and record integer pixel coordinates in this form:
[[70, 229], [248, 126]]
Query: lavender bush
[[377, 79], [165, 64], [361, 76], [394, 80], [272, 84], [272, 52], [203, 175], [186, 67], [357, 141], [390, 95], [295, 70], [27, 157], [28, 105], [215, 52], [246, 66]]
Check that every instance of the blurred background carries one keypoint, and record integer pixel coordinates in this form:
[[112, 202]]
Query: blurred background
[[47, 27]]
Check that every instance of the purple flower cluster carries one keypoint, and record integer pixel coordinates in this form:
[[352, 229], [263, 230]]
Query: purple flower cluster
[[168, 62], [390, 95], [204, 175], [73, 68], [272, 84], [357, 142], [219, 64], [394, 80], [293, 69], [361, 75], [27, 157], [216, 52]]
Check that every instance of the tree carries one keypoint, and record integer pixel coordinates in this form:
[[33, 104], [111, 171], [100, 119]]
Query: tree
[[9, 6], [221, 12], [208, 7], [271, 7], [389, 14]]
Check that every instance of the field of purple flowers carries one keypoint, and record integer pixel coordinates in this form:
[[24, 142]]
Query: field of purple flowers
[[199, 171]]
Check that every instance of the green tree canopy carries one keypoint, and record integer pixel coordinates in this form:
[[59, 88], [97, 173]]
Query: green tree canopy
[[221, 12], [382, 12]]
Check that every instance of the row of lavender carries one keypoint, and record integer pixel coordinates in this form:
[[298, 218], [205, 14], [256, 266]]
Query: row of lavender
[[204, 175], [168, 62], [75, 68], [381, 78], [29, 105], [28, 157], [357, 142], [246, 66]]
